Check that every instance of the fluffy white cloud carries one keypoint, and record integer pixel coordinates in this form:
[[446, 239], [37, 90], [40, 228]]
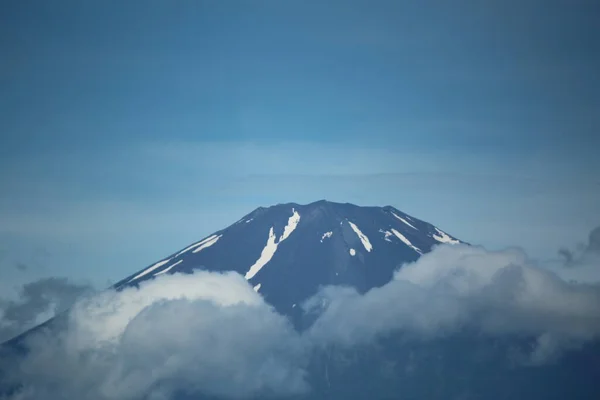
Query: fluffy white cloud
[[208, 333], [465, 287], [212, 334]]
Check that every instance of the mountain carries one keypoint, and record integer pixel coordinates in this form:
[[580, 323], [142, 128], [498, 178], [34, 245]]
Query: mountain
[[288, 251]]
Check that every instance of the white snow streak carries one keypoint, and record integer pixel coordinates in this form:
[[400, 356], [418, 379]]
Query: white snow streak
[[148, 270], [196, 245], [265, 256], [362, 237], [406, 241], [403, 220], [164, 271], [291, 225], [444, 238], [250, 220], [326, 235], [352, 252], [271, 247], [207, 244], [257, 287]]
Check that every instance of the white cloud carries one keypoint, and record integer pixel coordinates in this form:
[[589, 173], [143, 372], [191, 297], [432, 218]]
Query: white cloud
[[464, 287], [213, 334], [206, 332]]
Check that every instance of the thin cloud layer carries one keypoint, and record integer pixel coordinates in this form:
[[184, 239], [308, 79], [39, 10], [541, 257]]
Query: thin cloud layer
[[581, 264], [594, 241], [211, 334], [37, 302]]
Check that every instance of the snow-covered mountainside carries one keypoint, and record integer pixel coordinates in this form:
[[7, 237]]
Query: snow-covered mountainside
[[288, 251]]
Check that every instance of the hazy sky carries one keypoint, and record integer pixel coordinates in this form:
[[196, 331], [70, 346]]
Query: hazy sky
[[130, 129]]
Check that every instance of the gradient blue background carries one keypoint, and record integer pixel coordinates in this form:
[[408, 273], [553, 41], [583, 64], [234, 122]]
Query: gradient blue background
[[130, 129]]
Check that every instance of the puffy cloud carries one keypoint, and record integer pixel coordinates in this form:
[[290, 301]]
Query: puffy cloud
[[458, 288], [207, 333], [211, 334]]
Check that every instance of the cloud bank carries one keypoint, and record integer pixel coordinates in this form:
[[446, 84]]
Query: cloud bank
[[210, 334], [457, 288], [206, 332]]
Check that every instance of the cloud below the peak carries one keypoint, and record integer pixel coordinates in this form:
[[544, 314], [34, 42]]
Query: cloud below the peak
[[204, 333], [457, 288], [210, 334], [36, 302]]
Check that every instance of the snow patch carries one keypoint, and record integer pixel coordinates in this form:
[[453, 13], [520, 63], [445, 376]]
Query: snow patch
[[403, 220], [352, 252], [291, 225], [387, 235], [271, 247], [363, 238], [250, 220], [150, 269], [444, 237], [164, 271], [406, 241], [207, 244], [326, 235], [257, 287]]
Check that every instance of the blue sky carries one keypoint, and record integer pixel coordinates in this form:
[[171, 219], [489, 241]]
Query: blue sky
[[130, 129]]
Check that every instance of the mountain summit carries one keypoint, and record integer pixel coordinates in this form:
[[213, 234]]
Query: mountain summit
[[287, 251]]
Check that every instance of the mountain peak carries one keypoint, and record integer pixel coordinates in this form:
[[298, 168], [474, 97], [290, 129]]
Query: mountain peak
[[316, 203], [287, 251], [323, 203]]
